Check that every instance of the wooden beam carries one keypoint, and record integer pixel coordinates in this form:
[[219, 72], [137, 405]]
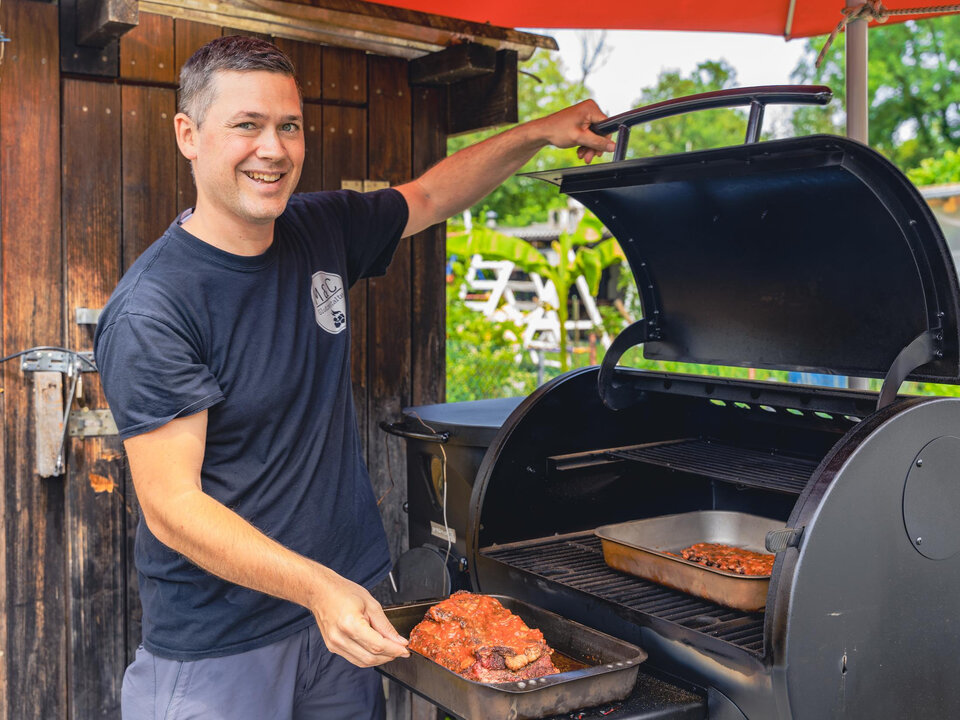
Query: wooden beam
[[80, 59], [455, 64], [101, 21], [486, 101], [358, 25], [376, 13]]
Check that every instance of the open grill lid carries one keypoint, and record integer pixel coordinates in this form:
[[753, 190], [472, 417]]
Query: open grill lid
[[813, 254]]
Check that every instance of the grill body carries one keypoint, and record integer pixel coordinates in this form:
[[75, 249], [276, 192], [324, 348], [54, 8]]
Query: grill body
[[858, 623]]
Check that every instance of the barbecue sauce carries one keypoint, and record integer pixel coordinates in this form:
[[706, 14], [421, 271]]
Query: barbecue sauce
[[728, 558]]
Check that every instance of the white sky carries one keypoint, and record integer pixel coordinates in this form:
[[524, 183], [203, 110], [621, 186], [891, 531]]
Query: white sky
[[639, 56]]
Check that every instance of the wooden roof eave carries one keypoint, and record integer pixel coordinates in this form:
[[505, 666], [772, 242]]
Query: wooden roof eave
[[355, 24]]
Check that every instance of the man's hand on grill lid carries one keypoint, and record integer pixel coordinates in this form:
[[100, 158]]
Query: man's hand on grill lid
[[466, 177], [570, 127]]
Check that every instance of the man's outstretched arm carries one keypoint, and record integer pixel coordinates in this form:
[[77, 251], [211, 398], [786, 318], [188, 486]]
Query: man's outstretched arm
[[459, 181], [165, 465]]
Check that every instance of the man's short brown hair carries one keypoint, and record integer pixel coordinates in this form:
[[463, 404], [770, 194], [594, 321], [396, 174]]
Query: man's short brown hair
[[232, 52]]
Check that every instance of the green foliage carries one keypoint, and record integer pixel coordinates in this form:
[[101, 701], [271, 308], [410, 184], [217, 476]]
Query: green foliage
[[481, 353], [575, 257], [934, 171], [692, 131], [542, 89], [915, 98], [494, 245]]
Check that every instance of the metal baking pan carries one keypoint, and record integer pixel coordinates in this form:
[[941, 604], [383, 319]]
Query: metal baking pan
[[610, 675], [640, 548]]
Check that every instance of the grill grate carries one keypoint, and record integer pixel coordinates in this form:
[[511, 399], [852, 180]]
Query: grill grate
[[577, 562], [743, 466]]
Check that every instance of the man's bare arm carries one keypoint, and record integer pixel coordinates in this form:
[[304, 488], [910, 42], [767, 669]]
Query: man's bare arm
[[165, 465], [464, 178]]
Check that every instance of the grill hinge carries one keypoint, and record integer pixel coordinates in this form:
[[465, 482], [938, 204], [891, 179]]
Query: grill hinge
[[613, 395], [924, 348]]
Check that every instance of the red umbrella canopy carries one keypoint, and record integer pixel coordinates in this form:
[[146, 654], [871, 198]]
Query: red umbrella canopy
[[790, 18]]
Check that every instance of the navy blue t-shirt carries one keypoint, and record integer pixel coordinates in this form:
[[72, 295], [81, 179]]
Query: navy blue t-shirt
[[263, 344]]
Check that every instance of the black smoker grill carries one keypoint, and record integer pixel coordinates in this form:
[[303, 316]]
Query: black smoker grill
[[810, 254]]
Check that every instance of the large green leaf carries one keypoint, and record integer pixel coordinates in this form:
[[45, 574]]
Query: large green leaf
[[493, 245], [609, 252], [588, 265], [589, 230]]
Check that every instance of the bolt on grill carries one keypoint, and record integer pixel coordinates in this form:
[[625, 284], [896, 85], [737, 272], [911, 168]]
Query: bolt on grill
[[577, 562]]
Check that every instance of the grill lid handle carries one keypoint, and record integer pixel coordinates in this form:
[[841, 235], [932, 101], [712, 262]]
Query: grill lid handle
[[613, 395], [779, 540], [756, 97], [400, 430]]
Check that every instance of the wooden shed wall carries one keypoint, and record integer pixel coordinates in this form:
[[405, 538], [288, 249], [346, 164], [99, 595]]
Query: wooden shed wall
[[90, 177]]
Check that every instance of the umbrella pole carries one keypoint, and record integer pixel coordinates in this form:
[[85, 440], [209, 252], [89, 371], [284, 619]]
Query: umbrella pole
[[856, 62], [857, 77]]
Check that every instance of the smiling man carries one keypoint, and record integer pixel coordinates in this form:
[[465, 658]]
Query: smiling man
[[224, 354]]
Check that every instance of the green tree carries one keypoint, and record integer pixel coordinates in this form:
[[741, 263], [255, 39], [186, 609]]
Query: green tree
[[691, 131], [912, 84], [542, 89], [934, 171]]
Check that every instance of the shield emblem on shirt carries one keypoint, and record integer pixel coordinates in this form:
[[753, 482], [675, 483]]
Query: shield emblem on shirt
[[328, 292]]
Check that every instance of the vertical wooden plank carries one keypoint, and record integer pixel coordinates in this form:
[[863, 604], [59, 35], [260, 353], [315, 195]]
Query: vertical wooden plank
[[147, 53], [149, 167], [427, 281], [344, 75], [96, 531], [189, 37], [308, 60], [388, 316], [344, 145], [33, 622], [311, 179]]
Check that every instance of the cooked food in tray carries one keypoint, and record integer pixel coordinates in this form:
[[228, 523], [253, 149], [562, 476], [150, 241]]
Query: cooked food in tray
[[478, 638], [729, 558]]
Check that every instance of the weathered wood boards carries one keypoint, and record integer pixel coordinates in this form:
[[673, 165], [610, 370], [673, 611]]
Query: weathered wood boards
[[34, 678], [428, 330]]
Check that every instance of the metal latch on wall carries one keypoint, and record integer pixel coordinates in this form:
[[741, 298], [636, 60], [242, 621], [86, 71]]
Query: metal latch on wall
[[53, 420]]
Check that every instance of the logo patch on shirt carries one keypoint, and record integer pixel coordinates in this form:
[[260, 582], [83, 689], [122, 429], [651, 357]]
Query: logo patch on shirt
[[329, 301]]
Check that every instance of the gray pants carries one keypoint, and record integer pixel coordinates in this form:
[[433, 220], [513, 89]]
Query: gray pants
[[296, 678]]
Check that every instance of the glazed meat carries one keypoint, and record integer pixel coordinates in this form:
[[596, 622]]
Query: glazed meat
[[475, 636], [729, 558]]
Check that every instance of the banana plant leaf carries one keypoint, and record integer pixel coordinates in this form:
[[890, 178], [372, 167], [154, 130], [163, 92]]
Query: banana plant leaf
[[493, 245]]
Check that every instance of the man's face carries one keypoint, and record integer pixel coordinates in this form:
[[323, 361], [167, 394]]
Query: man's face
[[248, 152]]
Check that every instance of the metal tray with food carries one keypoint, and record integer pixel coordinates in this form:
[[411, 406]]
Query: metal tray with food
[[607, 670], [650, 549]]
